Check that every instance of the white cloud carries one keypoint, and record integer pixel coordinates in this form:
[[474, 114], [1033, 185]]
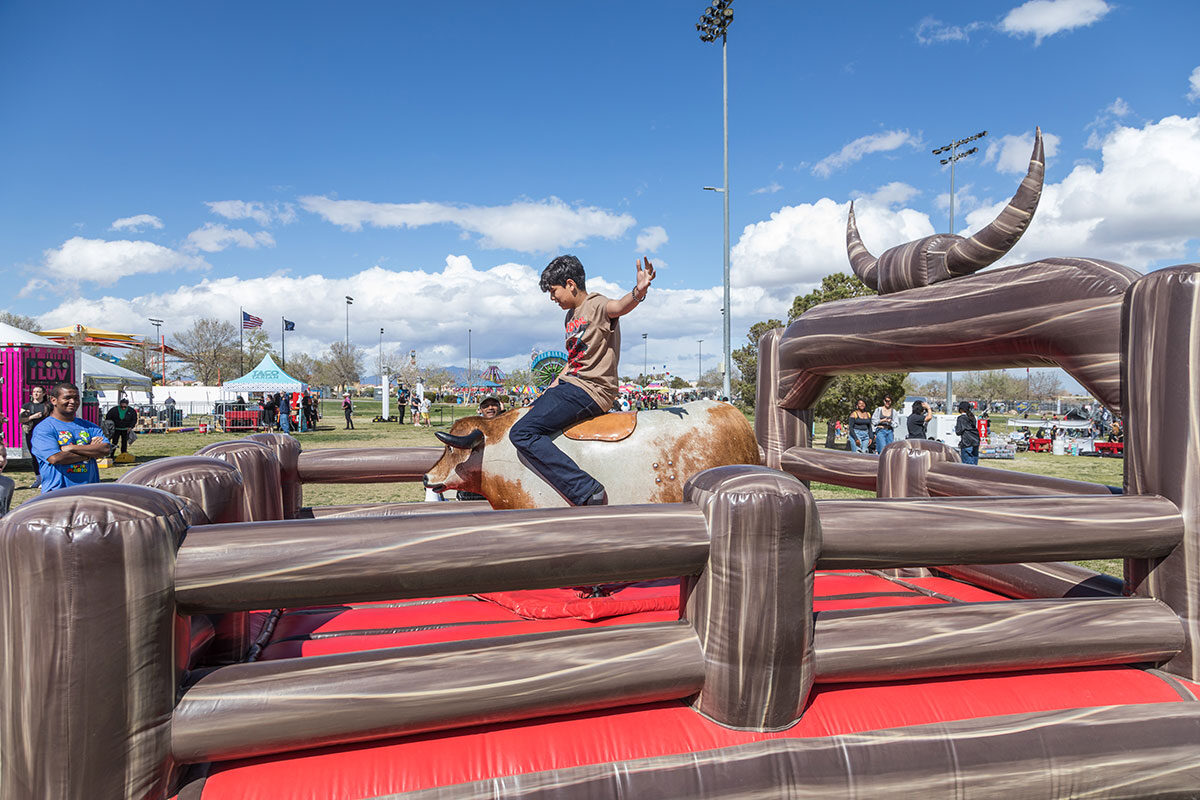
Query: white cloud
[[1043, 18], [801, 244], [1139, 208], [137, 223], [1011, 153], [1194, 85], [863, 145], [527, 226], [262, 213], [80, 260], [1098, 127], [652, 238], [934, 31], [430, 311], [215, 237], [890, 194], [770, 188]]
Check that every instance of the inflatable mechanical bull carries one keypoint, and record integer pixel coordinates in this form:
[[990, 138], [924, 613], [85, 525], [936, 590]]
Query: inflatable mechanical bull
[[642, 457]]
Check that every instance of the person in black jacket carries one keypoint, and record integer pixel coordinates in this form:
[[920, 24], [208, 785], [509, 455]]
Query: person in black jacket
[[124, 419], [967, 430], [918, 421]]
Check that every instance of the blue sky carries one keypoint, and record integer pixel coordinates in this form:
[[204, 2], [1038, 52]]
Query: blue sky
[[180, 160]]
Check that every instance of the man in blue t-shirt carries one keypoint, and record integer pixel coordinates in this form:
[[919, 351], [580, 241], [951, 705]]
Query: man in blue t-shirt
[[67, 447]]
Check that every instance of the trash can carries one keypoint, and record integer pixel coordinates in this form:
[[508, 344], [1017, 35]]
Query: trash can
[[1059, 448]]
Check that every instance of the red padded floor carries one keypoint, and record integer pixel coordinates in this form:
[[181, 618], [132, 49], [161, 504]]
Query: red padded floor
[[370, 626], [368, 770], [372, 770]]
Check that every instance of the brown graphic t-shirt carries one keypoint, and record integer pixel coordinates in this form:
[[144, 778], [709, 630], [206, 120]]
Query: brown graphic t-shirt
[[593, 347]]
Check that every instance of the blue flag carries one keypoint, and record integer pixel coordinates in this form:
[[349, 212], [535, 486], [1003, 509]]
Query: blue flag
[[288, 325]]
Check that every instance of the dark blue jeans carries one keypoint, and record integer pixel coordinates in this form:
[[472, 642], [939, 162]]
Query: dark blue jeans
[[559, 407], [969, 453]]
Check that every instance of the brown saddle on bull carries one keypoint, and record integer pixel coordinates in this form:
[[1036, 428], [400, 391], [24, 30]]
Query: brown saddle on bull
[[611, 427]]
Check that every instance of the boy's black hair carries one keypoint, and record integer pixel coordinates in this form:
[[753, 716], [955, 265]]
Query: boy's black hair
[[560, 270], [60, 386]]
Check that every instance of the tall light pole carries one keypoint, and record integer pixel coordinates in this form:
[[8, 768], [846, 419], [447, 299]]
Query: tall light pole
[[951, 159], [349, 302], [714, 23], [470, 364], [699, 369], [157, 323], [645, 357], [381, 354]]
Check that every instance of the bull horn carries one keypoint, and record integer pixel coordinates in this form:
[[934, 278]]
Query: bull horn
[[970, 255], [468, 442], [861, 260]]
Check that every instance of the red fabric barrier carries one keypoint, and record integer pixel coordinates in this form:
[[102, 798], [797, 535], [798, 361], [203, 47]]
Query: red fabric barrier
[[352, 773]]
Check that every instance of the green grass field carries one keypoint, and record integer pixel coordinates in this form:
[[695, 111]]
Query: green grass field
[[331, 434]]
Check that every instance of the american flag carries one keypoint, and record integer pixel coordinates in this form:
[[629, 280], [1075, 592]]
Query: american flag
[[250, 321]]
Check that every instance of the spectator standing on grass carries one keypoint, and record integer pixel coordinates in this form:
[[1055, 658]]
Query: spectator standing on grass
[[967, 429], [33, 412], [348, 409], [490, 408], [124, 420], [883, 424], [285, 412], [425, 405], [6, 483], [860, 427], [68, 447], [401, 402], [918, 421]]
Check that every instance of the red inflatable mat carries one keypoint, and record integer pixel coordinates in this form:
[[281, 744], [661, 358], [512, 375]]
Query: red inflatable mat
[[371, 626], [431, 760]]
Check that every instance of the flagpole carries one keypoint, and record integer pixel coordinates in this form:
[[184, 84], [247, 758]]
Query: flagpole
[[242, 338], [283, 342]]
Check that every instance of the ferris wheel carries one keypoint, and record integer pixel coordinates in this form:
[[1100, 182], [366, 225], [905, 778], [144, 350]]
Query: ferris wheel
[[546, 367]]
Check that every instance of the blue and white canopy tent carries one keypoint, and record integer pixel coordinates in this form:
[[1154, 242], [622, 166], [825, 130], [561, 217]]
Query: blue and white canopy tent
[[266, 377]]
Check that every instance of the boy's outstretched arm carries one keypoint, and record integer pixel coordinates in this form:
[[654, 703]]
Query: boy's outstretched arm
[[628, 302]]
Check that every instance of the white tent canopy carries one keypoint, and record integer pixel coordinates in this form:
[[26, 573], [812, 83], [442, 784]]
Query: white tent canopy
[[10, 335], [266, 377], [101, 374]]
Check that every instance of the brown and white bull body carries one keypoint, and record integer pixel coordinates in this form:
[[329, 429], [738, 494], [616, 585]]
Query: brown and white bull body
[[649, 466]]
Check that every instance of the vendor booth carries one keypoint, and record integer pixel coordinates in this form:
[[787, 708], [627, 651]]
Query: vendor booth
[[28, 360], [266, 377]]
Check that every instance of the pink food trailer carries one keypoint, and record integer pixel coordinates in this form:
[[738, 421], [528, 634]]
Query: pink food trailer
[[25, 363]]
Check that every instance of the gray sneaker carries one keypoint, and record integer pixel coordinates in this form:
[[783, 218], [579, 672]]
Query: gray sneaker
[[600, 498]]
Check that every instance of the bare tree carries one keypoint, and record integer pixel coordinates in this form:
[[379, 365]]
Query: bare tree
[[1045, 384], [258, 344], [20, 321], [210, 346], [303, 367], [342, 366]]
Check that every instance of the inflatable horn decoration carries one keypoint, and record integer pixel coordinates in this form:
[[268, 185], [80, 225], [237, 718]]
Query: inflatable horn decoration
[[468, 442], [946, 255]]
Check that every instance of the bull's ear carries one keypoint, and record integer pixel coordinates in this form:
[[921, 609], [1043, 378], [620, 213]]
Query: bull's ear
[[468, 442]]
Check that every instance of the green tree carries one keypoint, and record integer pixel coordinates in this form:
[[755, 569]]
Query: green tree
[[746, 359], [838, 286], [678, 383], [302, 367], [518, 377]]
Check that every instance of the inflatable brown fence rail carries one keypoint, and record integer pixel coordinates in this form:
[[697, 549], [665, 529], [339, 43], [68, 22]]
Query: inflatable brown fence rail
[[746, 654]]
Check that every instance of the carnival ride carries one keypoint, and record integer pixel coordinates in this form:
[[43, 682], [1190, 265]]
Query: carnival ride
[[749, 641]]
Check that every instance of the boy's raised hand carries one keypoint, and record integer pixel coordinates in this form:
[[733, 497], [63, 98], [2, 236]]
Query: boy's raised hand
[[645, 274]]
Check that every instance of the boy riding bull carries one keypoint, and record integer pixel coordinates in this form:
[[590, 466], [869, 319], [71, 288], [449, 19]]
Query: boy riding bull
[[587, 386]]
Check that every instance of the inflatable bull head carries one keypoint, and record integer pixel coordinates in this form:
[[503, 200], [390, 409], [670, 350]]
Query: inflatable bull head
[[946, 255]]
